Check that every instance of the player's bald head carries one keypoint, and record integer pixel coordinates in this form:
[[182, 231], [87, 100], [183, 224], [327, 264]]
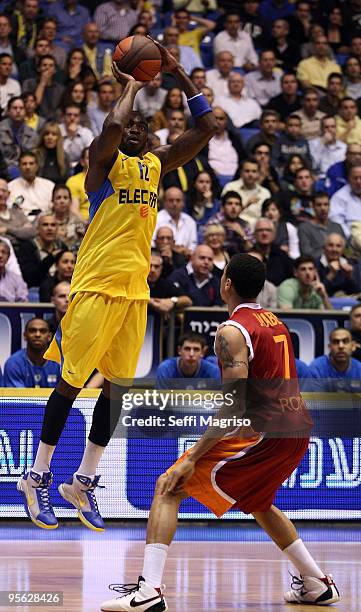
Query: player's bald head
[[137, 116], [135, 135]]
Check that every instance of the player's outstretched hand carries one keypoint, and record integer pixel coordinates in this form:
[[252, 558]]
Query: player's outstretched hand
[[175, 480], [123, 78], [169, 62]]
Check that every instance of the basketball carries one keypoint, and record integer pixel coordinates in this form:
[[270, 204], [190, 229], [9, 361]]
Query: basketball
[[139, 56]]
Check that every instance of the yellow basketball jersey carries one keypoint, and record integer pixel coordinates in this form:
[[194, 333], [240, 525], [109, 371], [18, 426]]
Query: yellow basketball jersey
[[114, 256]]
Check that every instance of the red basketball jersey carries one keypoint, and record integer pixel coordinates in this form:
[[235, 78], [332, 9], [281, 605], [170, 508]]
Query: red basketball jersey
[[274, 403]]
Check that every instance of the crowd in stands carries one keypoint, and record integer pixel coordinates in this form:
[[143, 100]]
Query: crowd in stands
[[280, 179], [338, 370]]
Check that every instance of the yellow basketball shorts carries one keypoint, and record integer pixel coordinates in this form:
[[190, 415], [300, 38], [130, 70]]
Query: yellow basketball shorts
[[99, 332]]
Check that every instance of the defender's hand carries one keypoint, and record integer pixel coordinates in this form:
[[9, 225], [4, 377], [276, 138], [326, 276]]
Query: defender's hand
[[175, 480]]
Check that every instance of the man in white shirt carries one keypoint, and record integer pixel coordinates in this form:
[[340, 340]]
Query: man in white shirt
[[32, 193], [9, 88], [252, 193], [346, 202], [150, 99], [217, 78], [265, 83], [327, 149], [238, 105], [237, 42], [76, 137], [177, 125], [97, 115], [183, 226], [222, 155]]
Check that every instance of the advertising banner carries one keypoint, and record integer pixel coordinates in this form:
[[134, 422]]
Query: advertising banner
[[326, 485]]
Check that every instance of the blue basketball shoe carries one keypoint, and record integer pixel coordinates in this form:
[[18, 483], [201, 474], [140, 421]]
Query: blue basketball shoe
[[35, 488], [79, 491]]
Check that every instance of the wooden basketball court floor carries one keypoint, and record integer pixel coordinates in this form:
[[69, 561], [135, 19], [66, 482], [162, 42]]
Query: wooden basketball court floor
[[210, 566]]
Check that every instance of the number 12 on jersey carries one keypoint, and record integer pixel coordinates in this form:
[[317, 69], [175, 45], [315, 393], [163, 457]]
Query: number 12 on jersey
[[282, 339], [143, 170]]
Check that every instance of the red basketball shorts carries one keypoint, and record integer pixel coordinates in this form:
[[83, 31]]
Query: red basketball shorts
[[244, 474]]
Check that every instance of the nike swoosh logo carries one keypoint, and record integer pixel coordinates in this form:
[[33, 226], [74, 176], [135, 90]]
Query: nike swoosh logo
[[136, 604], [70, 372]]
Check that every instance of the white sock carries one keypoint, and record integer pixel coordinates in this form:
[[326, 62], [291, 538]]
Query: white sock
[[298, 554], [155, 556], [43, 457], [92, 455]]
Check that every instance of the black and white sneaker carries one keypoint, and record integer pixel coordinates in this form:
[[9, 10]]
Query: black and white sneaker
[[311, 590], [140, 597]]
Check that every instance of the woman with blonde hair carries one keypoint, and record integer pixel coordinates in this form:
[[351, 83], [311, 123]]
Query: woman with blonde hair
[[214, 237], [53, 162]]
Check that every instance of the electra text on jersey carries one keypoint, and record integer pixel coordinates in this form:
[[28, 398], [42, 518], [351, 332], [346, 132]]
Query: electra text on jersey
[[138, 196]]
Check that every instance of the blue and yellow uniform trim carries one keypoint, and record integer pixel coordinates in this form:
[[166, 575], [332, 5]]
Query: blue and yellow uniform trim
[[105, 323]]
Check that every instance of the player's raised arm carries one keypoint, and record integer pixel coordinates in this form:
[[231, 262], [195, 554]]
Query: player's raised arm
[[104, 148], [187, 146]]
